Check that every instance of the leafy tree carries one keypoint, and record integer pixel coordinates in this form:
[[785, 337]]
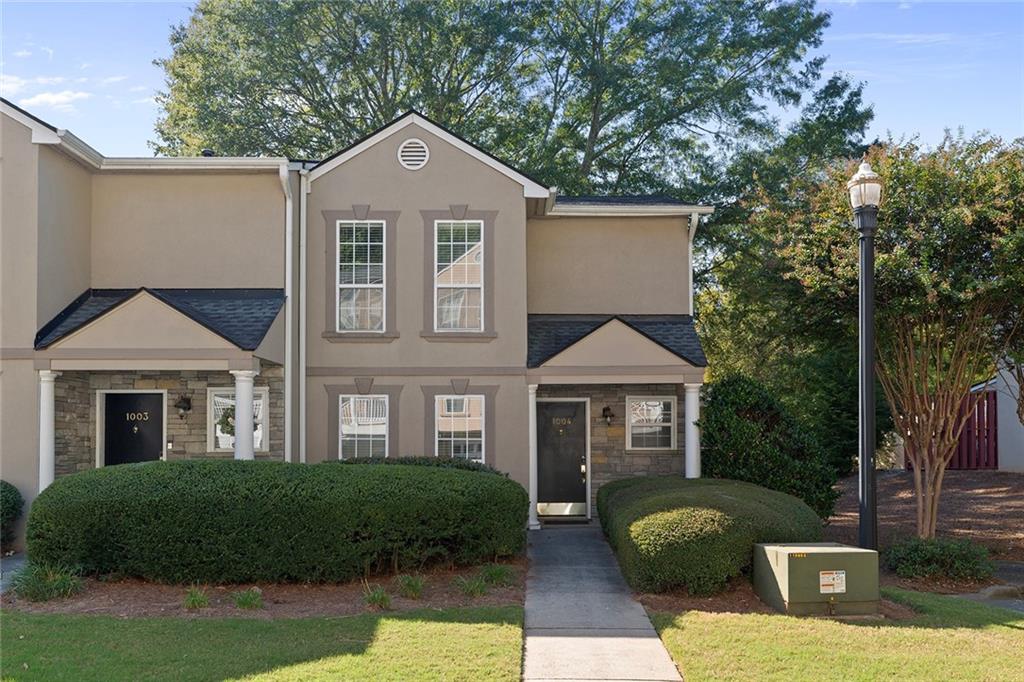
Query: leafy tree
[[949, 281], [592, 95]]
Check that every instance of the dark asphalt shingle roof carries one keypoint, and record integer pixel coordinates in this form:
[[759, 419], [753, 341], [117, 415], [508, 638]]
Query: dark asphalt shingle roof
[[548, 335], [621, 200], [242, 316]]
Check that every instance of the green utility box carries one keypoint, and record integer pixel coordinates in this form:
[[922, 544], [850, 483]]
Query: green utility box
[[817, 578]]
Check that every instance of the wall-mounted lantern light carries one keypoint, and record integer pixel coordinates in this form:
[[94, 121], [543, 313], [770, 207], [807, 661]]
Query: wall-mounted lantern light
[[608, 415], [184, 405]]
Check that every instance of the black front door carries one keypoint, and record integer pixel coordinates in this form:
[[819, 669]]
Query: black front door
[[562, 457], [134, 427]]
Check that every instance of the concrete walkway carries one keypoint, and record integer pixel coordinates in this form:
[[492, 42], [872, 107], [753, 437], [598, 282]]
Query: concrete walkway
[[9, 566], [582, 622]]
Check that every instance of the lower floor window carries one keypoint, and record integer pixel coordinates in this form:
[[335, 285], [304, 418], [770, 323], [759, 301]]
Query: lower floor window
[[652, 423], [460, 426], [220, 419], [363, 426]]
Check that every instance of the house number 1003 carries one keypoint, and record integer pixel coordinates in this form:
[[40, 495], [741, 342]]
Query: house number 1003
[[136, 416]]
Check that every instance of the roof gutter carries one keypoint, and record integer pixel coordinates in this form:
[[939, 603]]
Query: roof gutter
[[613, 210]]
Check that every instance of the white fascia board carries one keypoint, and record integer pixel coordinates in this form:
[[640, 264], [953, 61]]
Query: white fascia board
[[612, 210], [531, 189], [41, 134], [195, 163]]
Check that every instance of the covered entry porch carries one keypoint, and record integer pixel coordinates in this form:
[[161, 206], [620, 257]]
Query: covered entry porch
[[609, 397], [138, 375]]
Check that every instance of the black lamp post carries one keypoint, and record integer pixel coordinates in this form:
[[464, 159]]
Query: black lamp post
[[865, 195]]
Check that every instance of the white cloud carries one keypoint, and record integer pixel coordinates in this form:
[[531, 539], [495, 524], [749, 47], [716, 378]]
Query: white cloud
[[11, 84], [61, 101], [23, 53], [145, 100], [85, 65], [109, 80], [138, 88], [48, 51]]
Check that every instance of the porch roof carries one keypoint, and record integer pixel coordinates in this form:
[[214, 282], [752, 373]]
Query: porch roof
[[548, 335], [240, 316]]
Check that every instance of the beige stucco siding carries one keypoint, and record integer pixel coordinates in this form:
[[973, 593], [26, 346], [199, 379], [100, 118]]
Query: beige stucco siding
[[194, 230], [608, 265], [374, 178], [65, 214], [507, 450], [19, 209]]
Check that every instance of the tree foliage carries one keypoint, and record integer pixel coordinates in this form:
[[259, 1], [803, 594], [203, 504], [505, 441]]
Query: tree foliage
[[591, 95], [949, 282]]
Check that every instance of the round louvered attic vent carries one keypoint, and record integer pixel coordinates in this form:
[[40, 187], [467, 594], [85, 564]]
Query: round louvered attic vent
[[413, 154]]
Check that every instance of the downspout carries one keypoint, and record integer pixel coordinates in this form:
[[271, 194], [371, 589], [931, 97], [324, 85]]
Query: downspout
[[694, 221], [303, 191], [289, 314]]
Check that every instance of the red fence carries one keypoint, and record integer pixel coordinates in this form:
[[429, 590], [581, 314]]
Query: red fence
[[978, 447]]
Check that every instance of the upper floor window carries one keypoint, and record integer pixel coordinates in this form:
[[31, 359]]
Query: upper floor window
[[363, 426], [652, 423], [459, 426], [361, 291], [220, 419], [458, 275]]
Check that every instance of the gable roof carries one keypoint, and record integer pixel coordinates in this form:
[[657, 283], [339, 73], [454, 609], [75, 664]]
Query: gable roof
[[240, 316], [532, 188], [549, 335]]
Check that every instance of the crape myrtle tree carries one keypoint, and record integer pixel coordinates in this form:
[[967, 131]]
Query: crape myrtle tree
[[949, 282], [602, 96]]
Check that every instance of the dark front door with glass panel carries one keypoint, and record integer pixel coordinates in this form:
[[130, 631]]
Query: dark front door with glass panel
[[134, 427], [562, 458]]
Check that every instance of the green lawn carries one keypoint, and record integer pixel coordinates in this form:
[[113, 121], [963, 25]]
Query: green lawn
[[452, 644], [951, 639]]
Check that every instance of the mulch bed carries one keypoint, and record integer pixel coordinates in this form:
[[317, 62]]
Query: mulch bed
[[739, 597], [986, 507], [133, 598]]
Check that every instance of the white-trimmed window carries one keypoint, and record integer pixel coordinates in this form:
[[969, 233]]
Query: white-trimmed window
[[220, 419], [458, 275], [361, 290], [362, 426], [459, 426], [651, 422]]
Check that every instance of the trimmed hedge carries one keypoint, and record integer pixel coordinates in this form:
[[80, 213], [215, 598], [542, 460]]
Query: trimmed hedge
[[233, 522], [671, 532], [939, 558], [747, 434], [11, 503]]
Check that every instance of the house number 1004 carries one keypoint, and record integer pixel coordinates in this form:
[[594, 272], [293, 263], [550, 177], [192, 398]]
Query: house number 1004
[[136, 416]]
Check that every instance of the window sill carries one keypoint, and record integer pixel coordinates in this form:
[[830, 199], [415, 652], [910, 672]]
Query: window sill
[[459, 337], [359, 337], [653, 451]]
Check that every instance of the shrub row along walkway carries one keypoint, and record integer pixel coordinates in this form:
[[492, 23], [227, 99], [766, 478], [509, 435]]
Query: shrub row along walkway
[[582, 622]]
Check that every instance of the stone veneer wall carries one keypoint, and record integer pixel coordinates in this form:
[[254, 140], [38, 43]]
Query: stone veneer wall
[[609, 460], [76, 411]]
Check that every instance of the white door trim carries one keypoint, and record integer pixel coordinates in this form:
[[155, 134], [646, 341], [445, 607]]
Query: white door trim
[[586, 401], [101, 418]]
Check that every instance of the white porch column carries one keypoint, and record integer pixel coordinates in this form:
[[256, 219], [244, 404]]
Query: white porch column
[[691, 415], [47, 416], [243, 413], [533, 523]]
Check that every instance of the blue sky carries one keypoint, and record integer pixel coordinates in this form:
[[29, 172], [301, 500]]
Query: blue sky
[[927, 65]]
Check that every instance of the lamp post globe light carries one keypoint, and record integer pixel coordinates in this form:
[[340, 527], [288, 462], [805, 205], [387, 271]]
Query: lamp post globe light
[[865, 189]]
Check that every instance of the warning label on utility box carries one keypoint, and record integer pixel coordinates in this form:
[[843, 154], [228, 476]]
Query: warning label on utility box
[[832, 582]]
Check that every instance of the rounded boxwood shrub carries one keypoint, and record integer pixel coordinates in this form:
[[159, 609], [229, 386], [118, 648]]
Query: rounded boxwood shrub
[[232, 522], [11, 504], [670, 532], [938, 558], [748, 435]]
